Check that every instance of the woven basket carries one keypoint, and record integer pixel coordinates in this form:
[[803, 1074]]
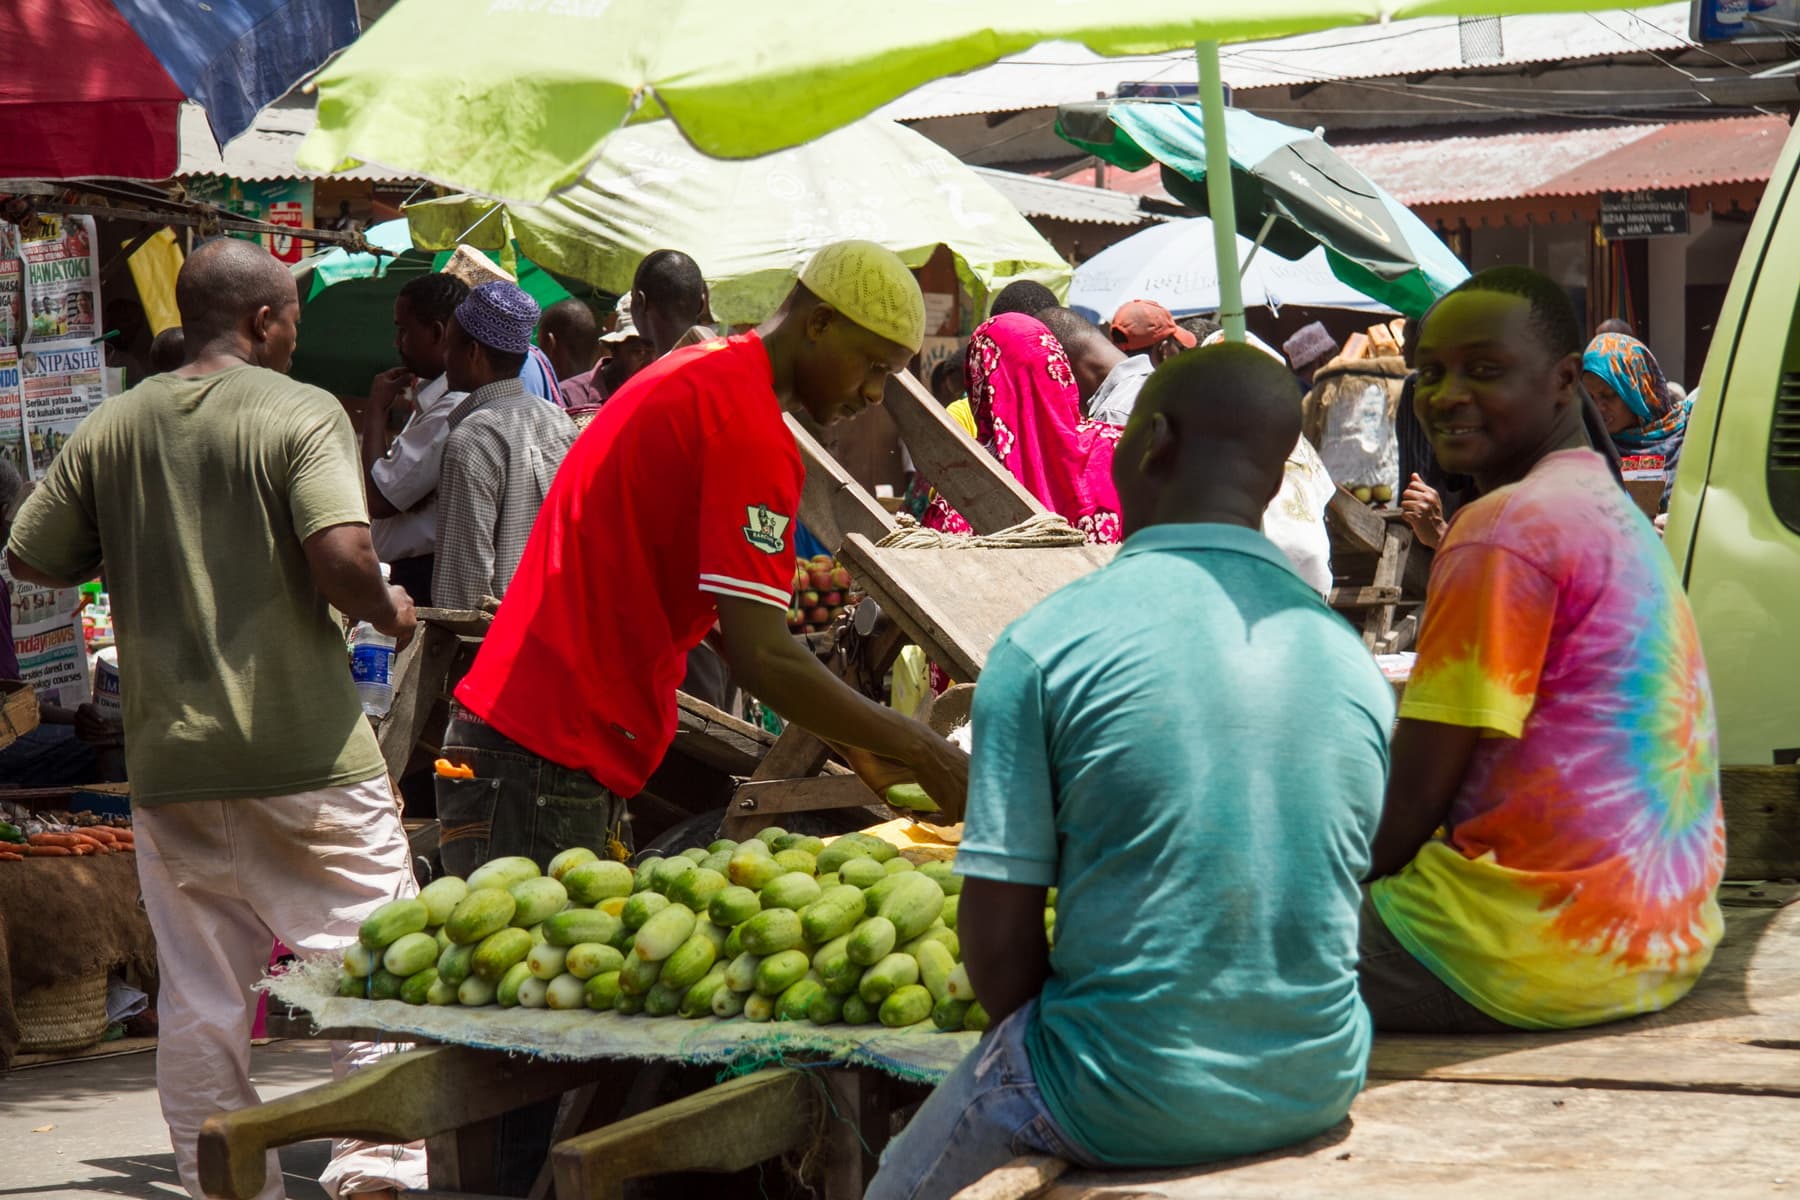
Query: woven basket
[[62, 1016]]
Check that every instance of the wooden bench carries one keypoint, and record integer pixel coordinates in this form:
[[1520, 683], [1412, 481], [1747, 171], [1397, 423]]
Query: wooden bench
[[1701, 1099]]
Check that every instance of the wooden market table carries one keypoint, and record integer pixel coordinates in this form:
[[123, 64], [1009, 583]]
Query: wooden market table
[[828, 1089]]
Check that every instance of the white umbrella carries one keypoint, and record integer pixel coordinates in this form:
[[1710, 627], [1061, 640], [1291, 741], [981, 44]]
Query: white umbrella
[[1176, 265]]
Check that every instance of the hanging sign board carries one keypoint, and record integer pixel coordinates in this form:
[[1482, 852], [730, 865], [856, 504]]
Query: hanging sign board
[[1659, 213], [1743, 20]]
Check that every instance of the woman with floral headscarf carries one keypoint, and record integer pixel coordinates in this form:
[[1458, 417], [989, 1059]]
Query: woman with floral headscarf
[[1647, 420], [1028, 415]]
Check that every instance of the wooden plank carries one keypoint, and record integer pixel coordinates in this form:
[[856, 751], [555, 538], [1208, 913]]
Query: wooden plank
[[1363, 597], [463, 622], [1426, 1141], [718, 739], [1762, 822], [1591, 1059], [1351, 520], [1019, 1179], [833, 505], [972, 480], [725, 1128], [947, 601], [404, 1097], [773, 796]]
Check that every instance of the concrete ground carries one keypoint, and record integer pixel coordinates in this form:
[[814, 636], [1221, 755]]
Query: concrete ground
[[106, 1135]]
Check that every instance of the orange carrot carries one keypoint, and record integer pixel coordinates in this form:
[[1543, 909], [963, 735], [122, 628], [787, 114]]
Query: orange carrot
[[40, 851], [54, 839]]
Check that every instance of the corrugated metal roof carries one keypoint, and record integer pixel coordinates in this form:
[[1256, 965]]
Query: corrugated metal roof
[[1061, 73], [1038, 197], [1517, 164], [264, 152], [1682, 154]]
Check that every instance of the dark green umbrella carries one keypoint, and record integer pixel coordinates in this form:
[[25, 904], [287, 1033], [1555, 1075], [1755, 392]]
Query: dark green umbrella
[[347, 314], [1285, 181]]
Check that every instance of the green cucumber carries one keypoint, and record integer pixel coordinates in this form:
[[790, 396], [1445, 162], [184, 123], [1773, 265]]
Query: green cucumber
[[641, 907], [568, 860], [887, 976], [794, 890], [482, 912], [592, 882], [779, 971], [664, 932], [565, 992], [733, 906], [772, 930], [475, 992], [502, 873], [588, 959], [576, 925], [690, 962], [546, 962], [697, 888], [441, 896], [907, 1005], [871, 941], [506, 992], [498, 952], [393, 921], [600, 991], [410, 954], [537, 900]]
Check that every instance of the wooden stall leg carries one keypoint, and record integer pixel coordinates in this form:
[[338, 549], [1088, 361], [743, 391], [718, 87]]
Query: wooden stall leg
[[726, 1128], [1019, 1179], [856, 1129], [402, 1098]]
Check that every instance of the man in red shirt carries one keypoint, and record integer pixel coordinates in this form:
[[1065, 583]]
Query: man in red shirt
[[674, 509]]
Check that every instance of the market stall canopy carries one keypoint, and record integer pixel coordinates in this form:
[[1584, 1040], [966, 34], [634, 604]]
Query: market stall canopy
[[347, 310], [1288, 182], [751, 225], [1174, 265], [514, 101], [95, 87]]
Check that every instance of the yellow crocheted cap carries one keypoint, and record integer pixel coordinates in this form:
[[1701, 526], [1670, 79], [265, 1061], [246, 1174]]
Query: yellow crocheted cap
[[870, 285]]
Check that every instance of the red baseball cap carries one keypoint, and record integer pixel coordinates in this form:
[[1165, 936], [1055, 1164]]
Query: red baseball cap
[[1141, 324]]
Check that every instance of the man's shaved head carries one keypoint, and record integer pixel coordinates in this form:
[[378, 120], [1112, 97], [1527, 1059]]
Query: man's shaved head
[[1208, 440], [570, 336], [233, 290], [1090, 348]]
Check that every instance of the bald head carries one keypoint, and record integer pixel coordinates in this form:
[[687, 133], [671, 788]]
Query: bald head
[[1208, 440], [237, 300], [570, 337], [1090, 349]]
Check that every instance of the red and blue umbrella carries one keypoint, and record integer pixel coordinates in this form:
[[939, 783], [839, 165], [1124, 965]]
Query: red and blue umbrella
[[95, 87]]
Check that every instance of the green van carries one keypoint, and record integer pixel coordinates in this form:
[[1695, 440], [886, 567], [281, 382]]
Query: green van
[[1734, 518]]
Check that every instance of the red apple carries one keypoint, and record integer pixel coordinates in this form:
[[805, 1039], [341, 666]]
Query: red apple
[[821, 562], [809, 599], [832, 599], [819, 581], [840, 579], [794, 618], [818, 616]]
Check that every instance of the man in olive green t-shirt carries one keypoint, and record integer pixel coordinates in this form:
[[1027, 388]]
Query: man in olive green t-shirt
[[226, 503]]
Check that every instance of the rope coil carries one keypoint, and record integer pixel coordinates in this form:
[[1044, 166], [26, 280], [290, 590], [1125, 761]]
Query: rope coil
[[1035, 533]]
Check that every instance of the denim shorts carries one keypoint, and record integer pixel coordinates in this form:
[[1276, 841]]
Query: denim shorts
[[985, 1113], [517, 803]]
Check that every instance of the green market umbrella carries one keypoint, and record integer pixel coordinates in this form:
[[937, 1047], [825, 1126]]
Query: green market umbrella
[[514, 100], [752, 224], [347, 307], [1297, 186]]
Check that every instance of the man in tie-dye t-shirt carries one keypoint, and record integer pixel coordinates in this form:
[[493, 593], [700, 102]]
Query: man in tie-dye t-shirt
[[1552, 840]]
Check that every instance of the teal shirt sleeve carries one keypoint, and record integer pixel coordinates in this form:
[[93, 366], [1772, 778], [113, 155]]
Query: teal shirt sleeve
[[1010, 830]]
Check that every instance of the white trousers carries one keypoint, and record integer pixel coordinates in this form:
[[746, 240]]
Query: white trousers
[[222, 880]]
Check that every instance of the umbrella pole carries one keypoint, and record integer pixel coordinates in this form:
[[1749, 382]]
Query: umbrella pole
[[1218, 190]]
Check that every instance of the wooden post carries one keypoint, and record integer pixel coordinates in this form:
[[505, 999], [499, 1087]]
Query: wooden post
[[971, 479], [725, 1128]]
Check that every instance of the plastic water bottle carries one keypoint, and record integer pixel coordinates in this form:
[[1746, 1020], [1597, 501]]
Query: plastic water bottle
[[371, 665]]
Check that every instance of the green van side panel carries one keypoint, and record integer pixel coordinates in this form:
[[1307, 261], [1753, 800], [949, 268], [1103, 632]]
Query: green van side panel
[[1740, 563]]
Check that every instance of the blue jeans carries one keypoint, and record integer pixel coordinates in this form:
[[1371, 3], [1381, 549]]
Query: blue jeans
[[517, 803], [983, 1115]]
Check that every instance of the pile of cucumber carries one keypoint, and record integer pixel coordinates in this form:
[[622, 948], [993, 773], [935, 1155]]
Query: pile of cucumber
[[779, 928]]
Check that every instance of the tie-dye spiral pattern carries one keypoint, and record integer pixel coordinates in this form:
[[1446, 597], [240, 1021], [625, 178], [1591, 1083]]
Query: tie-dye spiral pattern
[[1576, 881]]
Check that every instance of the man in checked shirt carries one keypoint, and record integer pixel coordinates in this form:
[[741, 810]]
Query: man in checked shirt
[[503, 450]]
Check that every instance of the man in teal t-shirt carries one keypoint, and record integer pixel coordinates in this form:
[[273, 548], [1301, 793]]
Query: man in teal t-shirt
[[1192, 748]]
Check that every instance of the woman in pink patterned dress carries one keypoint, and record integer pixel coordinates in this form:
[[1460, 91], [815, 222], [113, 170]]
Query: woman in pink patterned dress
[[1028, 415]]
